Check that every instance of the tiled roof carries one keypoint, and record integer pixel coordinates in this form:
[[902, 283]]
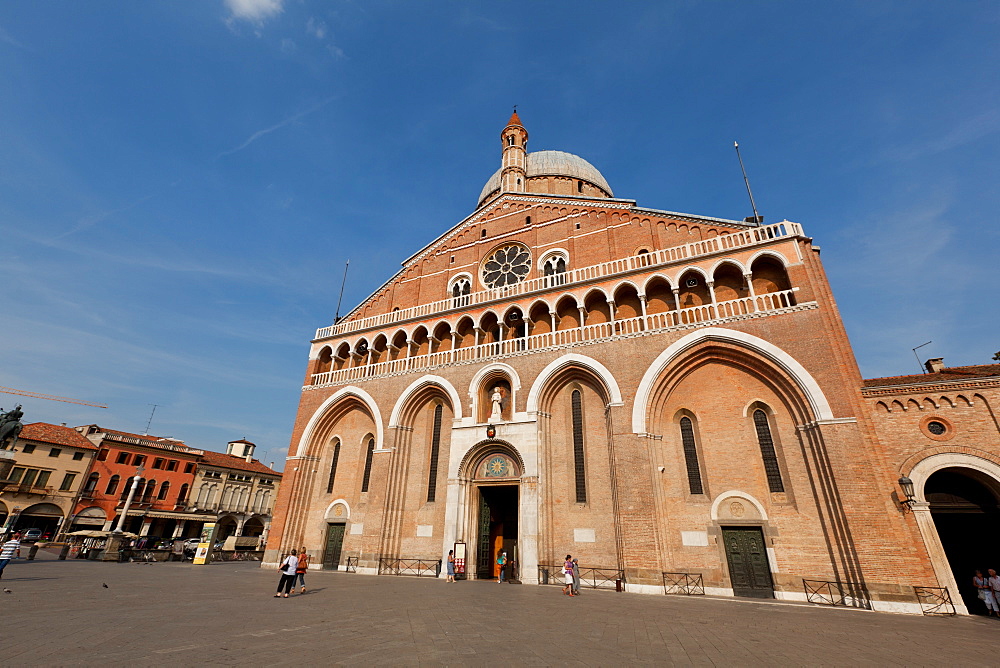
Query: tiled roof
[[948, 374], [223, 460], [56, 434]]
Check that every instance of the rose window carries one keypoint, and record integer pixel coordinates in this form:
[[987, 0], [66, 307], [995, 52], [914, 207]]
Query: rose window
[[507, 266]]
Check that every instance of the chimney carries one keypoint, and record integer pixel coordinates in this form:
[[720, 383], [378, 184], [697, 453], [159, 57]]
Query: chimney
[[934, 365]]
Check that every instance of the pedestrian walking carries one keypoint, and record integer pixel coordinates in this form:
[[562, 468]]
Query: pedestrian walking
[[287, 569], [994, 581], [502, 563], [985, 593], [576, 577], [300, 571], [451, 566], [10, 550], [568, 575]]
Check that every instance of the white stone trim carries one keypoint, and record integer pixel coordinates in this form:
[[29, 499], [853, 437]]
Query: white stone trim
[[808, 385], [741, 495], [337, 520], [930, 465], [350, 390], [769, 252], [418, 384], [728, 260], [570, 359]]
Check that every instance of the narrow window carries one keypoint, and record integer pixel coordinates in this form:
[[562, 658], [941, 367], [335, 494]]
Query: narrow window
[[691, 456], [767, 451], [527, 220], [579, 466], [368, 465], [92, 482], [102, 456], [122, 458], [67, 482], [182, 495], [164, 489], [333, 468], [484, 234], [435, 448], [579, 186], [112, 485]]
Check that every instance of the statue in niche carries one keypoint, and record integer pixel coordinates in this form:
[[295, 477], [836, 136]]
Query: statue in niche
[[497, 400]]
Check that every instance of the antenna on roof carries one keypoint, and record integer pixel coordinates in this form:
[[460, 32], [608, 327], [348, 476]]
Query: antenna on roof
[[150, 420], [757, 219], [342, 283], [922, 369]]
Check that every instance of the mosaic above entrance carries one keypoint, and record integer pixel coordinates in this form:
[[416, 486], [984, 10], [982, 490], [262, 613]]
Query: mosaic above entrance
[[497, 465]]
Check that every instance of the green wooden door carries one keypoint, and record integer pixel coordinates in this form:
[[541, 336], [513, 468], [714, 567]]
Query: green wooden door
[[334, 541], [748, 567]]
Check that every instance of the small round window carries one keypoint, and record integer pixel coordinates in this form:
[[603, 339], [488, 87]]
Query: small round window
[[937, 428], [507, 266]]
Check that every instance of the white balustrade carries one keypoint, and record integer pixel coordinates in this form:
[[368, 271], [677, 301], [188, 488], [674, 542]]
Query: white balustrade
[[654, 322], [665, 256]]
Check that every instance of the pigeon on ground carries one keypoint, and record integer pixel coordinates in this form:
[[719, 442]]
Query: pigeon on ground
[[104, 584], [7, 591]]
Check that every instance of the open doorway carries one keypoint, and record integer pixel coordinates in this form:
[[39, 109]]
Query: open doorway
[[497, 529], [967, 518]]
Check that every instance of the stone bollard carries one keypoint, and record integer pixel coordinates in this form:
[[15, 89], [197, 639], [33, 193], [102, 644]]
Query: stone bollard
[[63, 552], [32, 551]]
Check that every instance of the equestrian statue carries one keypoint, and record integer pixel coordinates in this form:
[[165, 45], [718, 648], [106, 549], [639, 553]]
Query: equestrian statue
[[10, 427]]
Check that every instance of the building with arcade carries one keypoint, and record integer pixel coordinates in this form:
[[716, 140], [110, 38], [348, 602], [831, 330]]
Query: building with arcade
[[568, 371]]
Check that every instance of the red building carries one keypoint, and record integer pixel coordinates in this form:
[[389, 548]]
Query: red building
[[167, 471]]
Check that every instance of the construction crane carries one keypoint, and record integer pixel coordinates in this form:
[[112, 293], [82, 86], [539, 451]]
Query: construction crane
[[48, 397]]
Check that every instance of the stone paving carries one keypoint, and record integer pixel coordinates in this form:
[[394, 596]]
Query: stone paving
[[223, 614]]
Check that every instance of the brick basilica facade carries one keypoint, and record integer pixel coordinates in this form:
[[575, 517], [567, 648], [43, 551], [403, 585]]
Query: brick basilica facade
[[565, 371]]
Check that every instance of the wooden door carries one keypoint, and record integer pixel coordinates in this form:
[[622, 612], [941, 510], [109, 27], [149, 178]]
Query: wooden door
[[748, 566], [334, 541]]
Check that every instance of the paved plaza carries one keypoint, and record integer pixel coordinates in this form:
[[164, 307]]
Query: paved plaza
[[178, 614]]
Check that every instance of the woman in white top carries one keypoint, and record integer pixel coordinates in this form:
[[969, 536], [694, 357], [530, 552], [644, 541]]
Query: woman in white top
[[287, 569]]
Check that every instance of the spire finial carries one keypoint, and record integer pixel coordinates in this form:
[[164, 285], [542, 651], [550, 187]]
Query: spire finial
[[514, 118]]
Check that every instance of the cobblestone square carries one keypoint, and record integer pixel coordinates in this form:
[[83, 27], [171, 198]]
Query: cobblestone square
[[58, 613]]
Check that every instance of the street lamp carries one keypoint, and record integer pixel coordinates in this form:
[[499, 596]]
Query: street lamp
[[131, 495], [906, 485]]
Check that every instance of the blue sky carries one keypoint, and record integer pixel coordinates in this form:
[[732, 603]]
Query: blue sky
[[181, 182]]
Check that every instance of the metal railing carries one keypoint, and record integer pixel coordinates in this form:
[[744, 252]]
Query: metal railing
[[591, 578], [237, 555], [716, 312], [935, 601], [415, 567], [352, 565], [665, 256], [688, 584], [834, 592]]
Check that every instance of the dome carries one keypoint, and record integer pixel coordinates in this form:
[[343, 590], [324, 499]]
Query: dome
[[553, 163]]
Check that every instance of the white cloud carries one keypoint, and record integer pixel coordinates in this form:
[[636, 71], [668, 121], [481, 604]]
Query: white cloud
[[277, 126], [254, 10], [316, 28]]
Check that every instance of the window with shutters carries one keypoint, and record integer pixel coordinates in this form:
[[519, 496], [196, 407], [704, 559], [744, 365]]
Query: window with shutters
[[767, 452], [579, 466], [333, 467], [691, 456], [368, 465], [432, 472]]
